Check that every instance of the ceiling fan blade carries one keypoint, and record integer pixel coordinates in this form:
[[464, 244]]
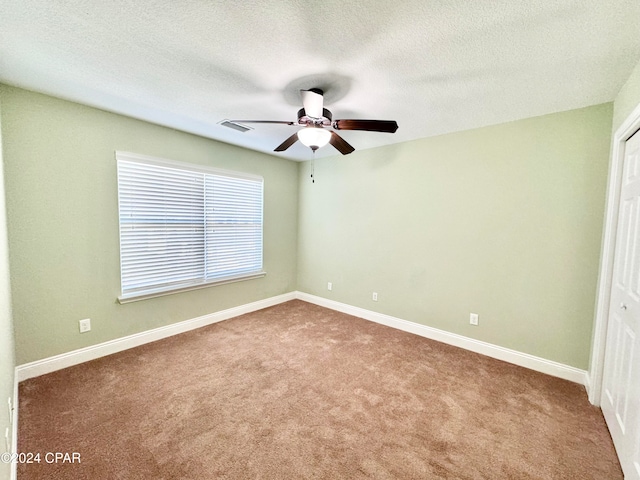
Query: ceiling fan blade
[[287, 143], [312, 101], [263, 121], [387, 126], [340, 144]]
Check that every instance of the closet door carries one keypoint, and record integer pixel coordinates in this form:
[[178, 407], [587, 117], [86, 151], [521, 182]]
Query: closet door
[[621, 393]]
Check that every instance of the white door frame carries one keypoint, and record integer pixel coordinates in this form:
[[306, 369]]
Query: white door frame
[[605, 275]]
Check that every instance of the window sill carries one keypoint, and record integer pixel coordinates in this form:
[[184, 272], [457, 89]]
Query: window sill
[[135, 297]]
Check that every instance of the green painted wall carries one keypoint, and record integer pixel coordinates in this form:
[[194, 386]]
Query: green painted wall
[[7, 358], [504, 221], [63, 223], [627, 99]]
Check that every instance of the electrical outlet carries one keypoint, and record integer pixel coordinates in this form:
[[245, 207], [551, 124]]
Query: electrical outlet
[[473, 319], [375, 296], [329, 286], [85, 325]]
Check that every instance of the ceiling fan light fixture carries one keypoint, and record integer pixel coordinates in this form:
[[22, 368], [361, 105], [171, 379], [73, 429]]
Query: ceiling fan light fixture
[[314, 137]]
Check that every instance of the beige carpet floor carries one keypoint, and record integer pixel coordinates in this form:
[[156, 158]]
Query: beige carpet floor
[[297, 391]]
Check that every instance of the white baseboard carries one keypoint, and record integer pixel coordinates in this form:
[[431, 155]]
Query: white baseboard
[[511, 356], [58, 362], [588, 386], [14, 426], [75, 357]]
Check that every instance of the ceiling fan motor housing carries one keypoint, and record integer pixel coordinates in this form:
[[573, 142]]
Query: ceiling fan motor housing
[[304, 119]]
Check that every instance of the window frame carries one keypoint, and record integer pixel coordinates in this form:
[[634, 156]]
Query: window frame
[[169, 290]]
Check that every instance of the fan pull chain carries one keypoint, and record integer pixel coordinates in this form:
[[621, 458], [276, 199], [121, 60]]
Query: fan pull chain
[[313, 167]]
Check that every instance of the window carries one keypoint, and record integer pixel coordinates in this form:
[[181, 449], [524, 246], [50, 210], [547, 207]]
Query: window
[[185, 226]]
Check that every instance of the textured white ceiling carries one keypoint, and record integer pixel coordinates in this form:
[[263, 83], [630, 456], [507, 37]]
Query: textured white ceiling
[[434, 67]]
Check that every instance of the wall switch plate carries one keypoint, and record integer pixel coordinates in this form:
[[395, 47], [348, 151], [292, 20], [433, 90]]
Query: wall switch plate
[[85, 325], [329, 286], [473, 319], [375, 296]]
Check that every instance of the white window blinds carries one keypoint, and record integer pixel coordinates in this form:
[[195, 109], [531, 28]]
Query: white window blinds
[[185, 226]]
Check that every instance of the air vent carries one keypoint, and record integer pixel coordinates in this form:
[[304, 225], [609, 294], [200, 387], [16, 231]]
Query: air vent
[[235, 126]]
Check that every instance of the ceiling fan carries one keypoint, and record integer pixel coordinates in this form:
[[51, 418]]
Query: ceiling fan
[[319, 125]]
